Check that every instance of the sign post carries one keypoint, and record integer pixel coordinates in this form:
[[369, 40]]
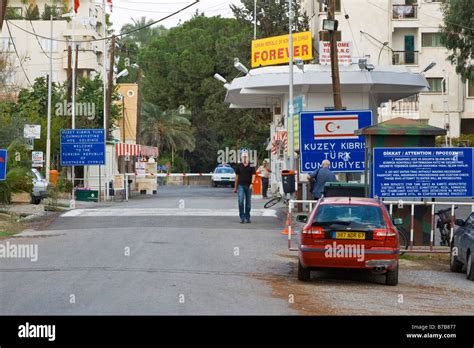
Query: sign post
[[3, 164], [330, 135], [425, 172]]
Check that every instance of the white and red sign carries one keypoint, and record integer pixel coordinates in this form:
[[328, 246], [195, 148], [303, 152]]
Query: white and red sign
[[344, 52], [336, 127]]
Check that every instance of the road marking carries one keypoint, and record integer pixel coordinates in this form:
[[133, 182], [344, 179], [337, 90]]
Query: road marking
[[165, 212]]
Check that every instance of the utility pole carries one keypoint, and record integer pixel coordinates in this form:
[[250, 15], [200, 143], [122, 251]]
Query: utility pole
[[290, 94], [336, 84], [50, 96], [111, 85], [139, 103]]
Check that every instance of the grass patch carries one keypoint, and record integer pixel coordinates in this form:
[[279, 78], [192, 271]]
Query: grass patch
[[9, 226], [413, 257]]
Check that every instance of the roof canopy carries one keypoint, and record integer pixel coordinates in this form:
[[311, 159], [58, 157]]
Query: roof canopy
[[401, 126], [258, 88]]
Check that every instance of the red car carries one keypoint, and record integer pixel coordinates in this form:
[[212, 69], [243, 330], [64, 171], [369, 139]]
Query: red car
[[344, 232]]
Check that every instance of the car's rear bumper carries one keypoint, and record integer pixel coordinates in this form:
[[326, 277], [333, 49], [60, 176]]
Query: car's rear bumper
[[317, 257]]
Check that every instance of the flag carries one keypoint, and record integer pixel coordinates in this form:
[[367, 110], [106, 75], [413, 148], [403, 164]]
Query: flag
[[110, 3], [336, 126], [76, 5]]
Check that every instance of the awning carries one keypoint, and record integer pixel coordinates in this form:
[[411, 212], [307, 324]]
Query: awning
[[122, 149]]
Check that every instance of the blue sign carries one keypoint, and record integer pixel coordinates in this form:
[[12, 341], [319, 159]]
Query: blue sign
[[425, 172], [330, 135], [82, 147], [3, 164]]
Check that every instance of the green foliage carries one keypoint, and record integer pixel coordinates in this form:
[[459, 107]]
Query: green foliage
[[465, 140], [272, 18], [50, 11], [179, 69], [12, 14], [457, 34], [33, 12]]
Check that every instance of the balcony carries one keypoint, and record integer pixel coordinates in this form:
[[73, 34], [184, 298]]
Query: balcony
[[405, 57], [399, 108], [404, 12]]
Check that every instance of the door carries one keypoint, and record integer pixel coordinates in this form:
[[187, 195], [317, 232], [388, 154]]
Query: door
[[409, 49]]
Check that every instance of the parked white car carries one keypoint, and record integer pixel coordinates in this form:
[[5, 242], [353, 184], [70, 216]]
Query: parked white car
[[223, 175], [40, 187]]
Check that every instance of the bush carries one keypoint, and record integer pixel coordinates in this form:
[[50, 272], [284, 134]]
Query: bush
[[33, 13]]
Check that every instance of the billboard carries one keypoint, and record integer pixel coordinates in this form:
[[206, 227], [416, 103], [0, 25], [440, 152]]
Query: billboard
[[82, 147], [274, 50], [330, 135], [424, 172], [344, 52]]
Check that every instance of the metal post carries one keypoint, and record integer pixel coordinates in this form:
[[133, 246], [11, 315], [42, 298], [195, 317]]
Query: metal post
[[73, 121], [254, 19], [432, 226], [104, 79], [290, 99], [50, 96], [447, 125], [412, 225]]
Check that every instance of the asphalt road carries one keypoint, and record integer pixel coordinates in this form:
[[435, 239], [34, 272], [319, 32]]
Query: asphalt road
[[185, 252], [154, 255]]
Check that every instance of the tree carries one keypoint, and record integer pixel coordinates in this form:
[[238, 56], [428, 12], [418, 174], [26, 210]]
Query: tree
[[272, 17], [166, 130], [179, 69], [457, 34]]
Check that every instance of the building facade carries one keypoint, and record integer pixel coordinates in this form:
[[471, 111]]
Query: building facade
[[23, 49], [405, 33]]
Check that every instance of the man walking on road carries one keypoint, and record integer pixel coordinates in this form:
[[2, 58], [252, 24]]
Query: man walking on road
[[244, 178], [321, 176]]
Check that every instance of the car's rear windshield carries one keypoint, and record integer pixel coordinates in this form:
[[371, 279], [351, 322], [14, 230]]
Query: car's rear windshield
[[224, 170], [370, 216]]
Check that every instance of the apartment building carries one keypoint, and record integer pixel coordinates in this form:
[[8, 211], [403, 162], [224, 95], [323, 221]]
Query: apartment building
[[32, 53], [403, 32]]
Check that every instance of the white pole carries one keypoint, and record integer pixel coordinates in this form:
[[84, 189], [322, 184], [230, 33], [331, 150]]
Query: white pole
[[50, 88], [447, 125], [255, 19], [104, 78], [73, 123], [290, 100]]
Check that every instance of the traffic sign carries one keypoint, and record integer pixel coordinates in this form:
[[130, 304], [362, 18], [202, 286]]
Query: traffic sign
[[37, 157], [424, 172], [3, 164], [32, 131], [330, 135], [82, 147]]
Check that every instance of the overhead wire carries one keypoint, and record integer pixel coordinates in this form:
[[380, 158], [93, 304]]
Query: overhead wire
[[110, 37], [18, 56]]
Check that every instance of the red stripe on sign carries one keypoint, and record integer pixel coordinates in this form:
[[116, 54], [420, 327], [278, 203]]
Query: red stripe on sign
[[334, 118], [334, 135]]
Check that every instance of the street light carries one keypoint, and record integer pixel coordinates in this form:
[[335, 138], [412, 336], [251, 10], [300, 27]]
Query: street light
[[330, 24], [221, 78], [239, 66], [429, 67]]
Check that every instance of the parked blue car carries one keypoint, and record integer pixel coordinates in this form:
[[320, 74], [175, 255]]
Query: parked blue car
[[462, 247]]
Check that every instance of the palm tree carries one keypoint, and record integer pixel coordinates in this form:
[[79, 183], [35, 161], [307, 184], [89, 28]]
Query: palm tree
[[167, 130], [144, 36]]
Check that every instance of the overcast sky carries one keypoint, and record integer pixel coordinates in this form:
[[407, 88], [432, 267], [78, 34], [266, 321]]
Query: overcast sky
[[125, 10]]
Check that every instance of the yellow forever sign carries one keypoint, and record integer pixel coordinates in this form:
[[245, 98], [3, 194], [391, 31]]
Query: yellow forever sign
[[274, 50]]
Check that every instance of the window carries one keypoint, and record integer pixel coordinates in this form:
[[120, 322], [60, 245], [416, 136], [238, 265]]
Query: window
[[224, 170], [470, 88], [350, 214], [6, 44], [46, 44], [431, 40], [436, 84], [324, 35], [324, 8]]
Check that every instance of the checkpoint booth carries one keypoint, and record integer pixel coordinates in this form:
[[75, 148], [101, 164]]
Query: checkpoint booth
[[401, 133], [138, 164]]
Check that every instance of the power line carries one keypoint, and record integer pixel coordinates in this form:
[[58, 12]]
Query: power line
[[110, 37], [17, 55]]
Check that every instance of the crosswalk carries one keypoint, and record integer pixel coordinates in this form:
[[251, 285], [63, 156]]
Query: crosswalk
[[134, 212]]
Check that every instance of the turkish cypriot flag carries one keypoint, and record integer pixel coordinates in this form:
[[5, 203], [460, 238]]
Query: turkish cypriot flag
[[336, 127]]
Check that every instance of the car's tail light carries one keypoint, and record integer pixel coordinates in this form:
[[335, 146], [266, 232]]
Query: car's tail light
[[315, 232], [384, 234]]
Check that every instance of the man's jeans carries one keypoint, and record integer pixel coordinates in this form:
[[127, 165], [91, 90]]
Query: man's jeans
[[245, 198]]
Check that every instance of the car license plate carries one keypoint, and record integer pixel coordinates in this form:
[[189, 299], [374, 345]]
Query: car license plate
[[349, 235]]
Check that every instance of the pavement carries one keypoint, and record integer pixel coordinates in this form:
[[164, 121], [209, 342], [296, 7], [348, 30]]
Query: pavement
[[184, 252]]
